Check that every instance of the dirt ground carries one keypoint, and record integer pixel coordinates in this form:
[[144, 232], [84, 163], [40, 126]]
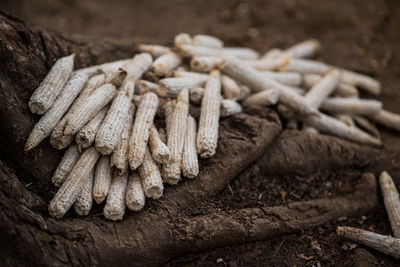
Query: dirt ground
[[358, 35]]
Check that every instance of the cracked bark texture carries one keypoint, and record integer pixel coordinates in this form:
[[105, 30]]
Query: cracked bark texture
[[161, 231]]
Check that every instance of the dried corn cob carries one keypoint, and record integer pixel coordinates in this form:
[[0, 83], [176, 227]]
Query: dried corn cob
[[342, 89], [302, 50], [288, 78], [168, 110], [190, 74], [386, 118], [244, 92], [159, 150], [176, 137], [352, 105], [345, 118], [269, 64], [208, 124], [110, 130], [45, 95], [83, 204], [230, 88], [320, 91], [163, 135], [46, 124], [140, 131], [196, 95], [309, 66], [166, 63], [204, 63], [272, 53], [154, 50], [135, 198], [196, 50], [367, 125], [207, 40], [229, 107], [383, 243], [151, 178], [392, 202], [102, 179], [74, 183], [170, 87], [115, 205], [143, 86], [137, 66], [119, 157], [66, 164], [106, 67], [182, 38], [240, 72], [333, 126], [190, 164], [264, 98], [85, 136], [57, 139], [94, 103]]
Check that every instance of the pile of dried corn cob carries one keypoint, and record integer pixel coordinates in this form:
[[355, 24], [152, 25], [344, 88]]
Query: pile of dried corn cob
[[110, 109]]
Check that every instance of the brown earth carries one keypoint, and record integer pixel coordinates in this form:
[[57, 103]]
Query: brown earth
[[294, 168]]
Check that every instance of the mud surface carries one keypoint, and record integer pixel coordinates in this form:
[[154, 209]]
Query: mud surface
[[359, 35]]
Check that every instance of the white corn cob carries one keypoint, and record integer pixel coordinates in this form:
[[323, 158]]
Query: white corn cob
[[57, 139], [166, 63], [309, 66], [367, 125], [163, 135], [342, 89], [151, 177], [102, 179], [264, 98], [204, 63], [383, 243], [229, 107], [66, 164], [140, 130], [44, 96], [119, 157], [288, 78], [309, 129], [135, 198], [191, 74], [106, 67], [190, 164], [154, 50], [74, 183], [86, 135], [352, 105], [269, 64], [207, 136], [345, 118], [273, 52], [392, 201], [297, 90], [110, 130], [196, 95], [176, 130], [196, 50], [143, 86], [83, 204], [302, 50], [137, 66], [207, 40], [182, 38], [320, 91], [170, 87], [168, 111], [46, 124], [244, 92], [94, 103], [386, 118], [230, 88], [370, 85], [115, 205], [327, 124], [252, 78], [159, 150]]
